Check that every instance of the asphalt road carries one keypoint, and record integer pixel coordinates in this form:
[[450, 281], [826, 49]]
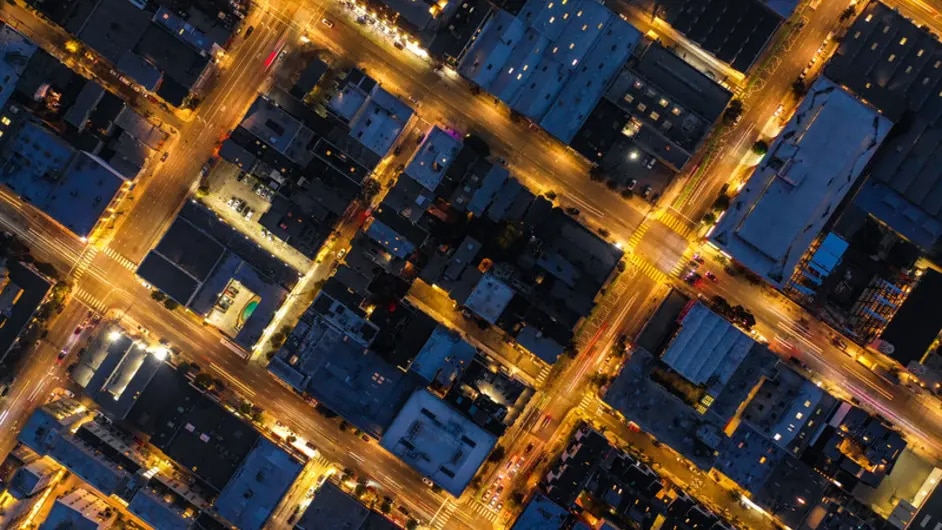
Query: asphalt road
[[105, 280]]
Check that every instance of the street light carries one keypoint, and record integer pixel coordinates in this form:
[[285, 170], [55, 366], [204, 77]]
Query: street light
[[160, 353], [113, 335]]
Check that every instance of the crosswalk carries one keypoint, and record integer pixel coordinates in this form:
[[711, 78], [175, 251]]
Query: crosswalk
[[681, 226], [440, 521], [589, 402], [637, 236], [123, 261], [84, 261], [86, 298], [647, 269], [544, 373], [483, 510]]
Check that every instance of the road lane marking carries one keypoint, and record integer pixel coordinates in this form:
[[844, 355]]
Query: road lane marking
[[232, 379]]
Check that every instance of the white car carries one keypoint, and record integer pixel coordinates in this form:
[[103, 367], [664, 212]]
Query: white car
[[327, 23], [427, 482]]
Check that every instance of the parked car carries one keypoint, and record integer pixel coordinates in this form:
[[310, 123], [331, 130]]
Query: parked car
[[327, 23], [248, 32], [631, 184]]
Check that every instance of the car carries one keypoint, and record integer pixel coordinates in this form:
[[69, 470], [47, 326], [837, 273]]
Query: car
[[341, 253], [646, 192], [80, 353], [631, 184], [650, 163], [398, 150], [500, 506], [839, 342], [204, 170], [698, 258], [693, 264], [494, 500], [77, 330], [428, 482], [710, 276], [310, 446], [327, 23], [399, 45], [143, 330], [365, 437], [68, 393], [62, 355], [692, 278], [572, 211], [241, 176], [248, 31], [528, 449], [546, 421], [163, 158]]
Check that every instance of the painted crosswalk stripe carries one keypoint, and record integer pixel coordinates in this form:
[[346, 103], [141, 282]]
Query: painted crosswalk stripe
[[123, 261], [84, 261], [89, 300]]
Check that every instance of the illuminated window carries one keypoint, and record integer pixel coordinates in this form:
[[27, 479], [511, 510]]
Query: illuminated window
[[5, 120], [675, 111], [807, 404], [585, 27], [762, 460], [579, 13], [799, 416], [892, 57], [902, 41], [920, 52], [654, 116], [663, 102], [777, 437], [511, 70], [629, 98], [869, 18], [552, 19], [572, 45]]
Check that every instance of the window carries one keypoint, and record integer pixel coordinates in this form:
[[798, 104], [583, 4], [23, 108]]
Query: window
[[777, 437], [585, 27], [675, 111], [5, 120], [572, 45], [892, 57], [857, 35], [662, 102], [629, 98], [642, 107], [807, 404], [762, 459], [799, 416], [869, 18], [920, 52], [552, 19], [654, 116], [909, 69], [902, 41]]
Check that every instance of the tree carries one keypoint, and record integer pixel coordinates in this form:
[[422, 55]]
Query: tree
[[709, 218], [721, 204], [369, 189], [611, 184], [291, 439], [761, 147], [202, 192], [412, 524], [847, 14], [158, 295], [171, 304], [497, 454], [627, 194], [550, 195], [360, 490], [203, 381], [596, 174], [516, 498], [733, 112], [799, 88], [385, 507], [256, 414], [245, 408]]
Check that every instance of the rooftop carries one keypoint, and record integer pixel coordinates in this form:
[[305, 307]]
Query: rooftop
[[113, 373], [431, 160], [913, 328], [320, 359], [552, 61], [438, 442], [113, 28], [706, 348], [72, 187], [443, 357], [16, 50], [799, 184], [171, 55], [22, 291], [79, 510], [734, 31], [375, 116], [333, 508], [541, 514], [283, 132], [489, 298], [676, 104], [894, 65], [252, 494]]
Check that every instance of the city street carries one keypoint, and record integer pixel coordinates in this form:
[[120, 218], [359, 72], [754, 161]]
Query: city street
[[104, 278]]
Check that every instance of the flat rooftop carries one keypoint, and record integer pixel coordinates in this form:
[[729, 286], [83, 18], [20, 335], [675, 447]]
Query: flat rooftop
[[916, 324], [541, 514], [72, 187], [113, 28], [489, 298], [676, 104], [175, 58], [734, 31], [438, 441], [707, 347], [893, 64], [252, 494], [431, 160], [799, 184], [552, 62], [17, 50]]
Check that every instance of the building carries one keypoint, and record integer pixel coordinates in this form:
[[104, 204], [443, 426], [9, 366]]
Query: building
[[22, 291], [660, 105], [915, 326], [430, 162], [893, 64], [443, 358], [75, 188], [16, 51], [799, 184], [30, 479], [326, 357], [114, 371], [542, 514], [80, 510], [577, 465], [375, 117], [734, 31], [228, 459], [551, 62], [438, 441], [212, 269], [333, 508]]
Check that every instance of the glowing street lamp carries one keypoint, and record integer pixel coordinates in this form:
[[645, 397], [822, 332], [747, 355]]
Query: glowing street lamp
[[114, 335]]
